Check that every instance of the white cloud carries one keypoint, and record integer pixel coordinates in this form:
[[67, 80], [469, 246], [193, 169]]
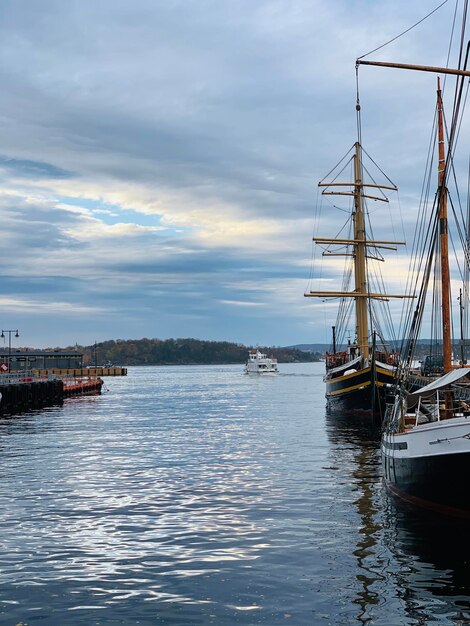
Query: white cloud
[[241, 303], [50, 307], [188, 138]]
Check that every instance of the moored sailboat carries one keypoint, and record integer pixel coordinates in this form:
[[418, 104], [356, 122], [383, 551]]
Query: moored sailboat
[[359, 374], [426, 439]]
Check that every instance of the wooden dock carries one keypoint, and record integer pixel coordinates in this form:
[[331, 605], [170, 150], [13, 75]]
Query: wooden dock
[[82, 386], [80, 372], [23, 394], [25, 391]]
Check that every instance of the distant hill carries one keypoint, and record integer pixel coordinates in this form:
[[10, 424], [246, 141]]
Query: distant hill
[[320, 348], [180, 352], [423, 347], [188, 351]]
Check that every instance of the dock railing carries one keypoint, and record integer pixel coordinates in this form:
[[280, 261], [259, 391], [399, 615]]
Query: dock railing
[[25, 376]]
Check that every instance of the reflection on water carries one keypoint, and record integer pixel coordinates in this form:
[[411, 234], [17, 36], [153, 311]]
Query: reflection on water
[[433, 554], [197, 495], [418, 562], [181, 497], [365, 477], [361, 439]]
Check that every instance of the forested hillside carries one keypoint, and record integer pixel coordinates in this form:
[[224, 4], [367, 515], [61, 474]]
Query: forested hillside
[[179, 352]]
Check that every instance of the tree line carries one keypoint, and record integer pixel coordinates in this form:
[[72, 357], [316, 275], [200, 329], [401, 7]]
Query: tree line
[[180, 352]]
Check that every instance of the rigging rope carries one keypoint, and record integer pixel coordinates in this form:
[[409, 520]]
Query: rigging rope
[[404, 32]]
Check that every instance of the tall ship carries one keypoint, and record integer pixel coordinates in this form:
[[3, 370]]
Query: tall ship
[[359, 371], [426, 437]]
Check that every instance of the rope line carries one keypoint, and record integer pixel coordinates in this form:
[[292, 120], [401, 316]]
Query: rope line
[[404, 32]]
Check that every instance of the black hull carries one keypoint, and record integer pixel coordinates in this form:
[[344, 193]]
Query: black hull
[[436, 483], [362, 392], [358, 401]]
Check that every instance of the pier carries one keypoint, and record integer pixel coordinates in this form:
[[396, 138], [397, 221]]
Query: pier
[[31, 380], [82, 371], [27, 391], [20, 393]]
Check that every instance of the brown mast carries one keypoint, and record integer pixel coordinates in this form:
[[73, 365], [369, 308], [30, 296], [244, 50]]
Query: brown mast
[[360, 243], [360, 279], [443, 238], [442, 199]]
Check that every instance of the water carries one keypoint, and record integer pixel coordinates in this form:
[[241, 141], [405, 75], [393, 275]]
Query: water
[[198, 495]]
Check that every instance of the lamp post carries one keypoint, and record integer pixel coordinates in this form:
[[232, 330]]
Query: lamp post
[[9, 343]]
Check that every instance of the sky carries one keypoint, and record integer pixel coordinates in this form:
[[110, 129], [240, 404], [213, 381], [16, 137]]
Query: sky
[[159, 159]]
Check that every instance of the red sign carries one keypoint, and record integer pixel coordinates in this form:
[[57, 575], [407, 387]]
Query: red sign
[[3, 367]]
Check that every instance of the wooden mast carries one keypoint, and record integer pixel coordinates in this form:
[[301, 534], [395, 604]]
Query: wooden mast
[[361, 293], [362, 328], [442, 199], [443, 238]]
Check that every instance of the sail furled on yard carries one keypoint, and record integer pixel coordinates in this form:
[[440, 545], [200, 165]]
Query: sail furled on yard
[[362, 252]]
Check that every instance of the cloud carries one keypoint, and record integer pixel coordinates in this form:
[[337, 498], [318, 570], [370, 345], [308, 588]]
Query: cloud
[[160, 160], [56, 308], [241, 303], [32, 169]]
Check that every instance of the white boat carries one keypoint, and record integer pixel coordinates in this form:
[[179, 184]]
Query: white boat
[[259, 363], [427, 441]]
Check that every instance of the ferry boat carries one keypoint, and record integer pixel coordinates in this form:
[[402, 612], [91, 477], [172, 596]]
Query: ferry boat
[[259, 363]]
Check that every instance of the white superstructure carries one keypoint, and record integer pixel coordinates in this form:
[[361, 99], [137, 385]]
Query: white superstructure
[[259, 363], [426, 445]]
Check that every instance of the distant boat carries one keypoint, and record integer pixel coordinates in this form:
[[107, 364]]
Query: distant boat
[[259, 363]]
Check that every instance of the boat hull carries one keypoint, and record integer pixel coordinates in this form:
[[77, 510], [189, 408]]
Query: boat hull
[[362, 392], [428, 465]]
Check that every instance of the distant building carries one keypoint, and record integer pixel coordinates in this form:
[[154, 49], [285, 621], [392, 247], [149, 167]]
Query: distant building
[[19, 360]]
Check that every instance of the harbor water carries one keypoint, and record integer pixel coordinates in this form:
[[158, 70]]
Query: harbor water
[[196, 495]]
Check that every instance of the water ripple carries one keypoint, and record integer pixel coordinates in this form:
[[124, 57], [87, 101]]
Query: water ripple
[[196, 495]]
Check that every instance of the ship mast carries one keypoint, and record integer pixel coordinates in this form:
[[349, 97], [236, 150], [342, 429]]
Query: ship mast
[[359, 243], [442, 197], [443, 237], [362, 330]]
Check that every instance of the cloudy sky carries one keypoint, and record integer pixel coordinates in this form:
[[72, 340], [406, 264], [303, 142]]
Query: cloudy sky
[[159, 159]]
